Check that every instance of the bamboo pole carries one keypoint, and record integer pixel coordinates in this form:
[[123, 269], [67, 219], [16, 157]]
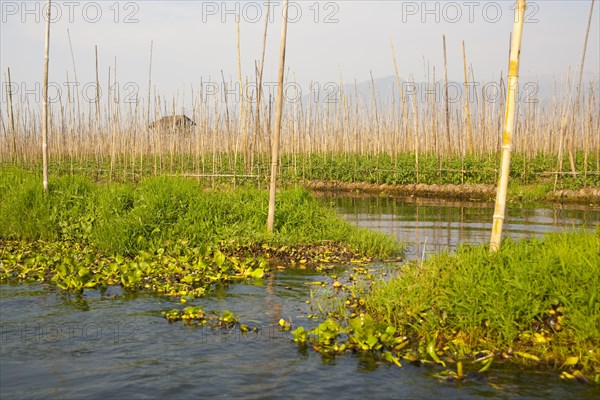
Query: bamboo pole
[[509, 123], [259, 90], [402, 97], [45, 103], [12, 118], [467, 99], [149, 85], [576, 113], [449, 142], [245, 149], [97, 92], [76, 82], [278, 115]]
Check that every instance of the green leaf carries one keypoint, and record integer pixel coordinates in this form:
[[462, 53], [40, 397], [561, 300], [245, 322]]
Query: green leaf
[[571, 361], [219, 258]]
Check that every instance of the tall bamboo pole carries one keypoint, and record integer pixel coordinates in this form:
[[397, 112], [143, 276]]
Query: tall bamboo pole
[[97, 92], [509, 123], [402, 97], [278, 115], [576, 113], [259, 90], [245, 150], [9, 94], [467, 99], [45, 103], [449, 142]]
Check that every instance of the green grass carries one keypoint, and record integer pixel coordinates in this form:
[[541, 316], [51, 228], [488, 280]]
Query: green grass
[[539, 297], [536, 302], [127, 218]]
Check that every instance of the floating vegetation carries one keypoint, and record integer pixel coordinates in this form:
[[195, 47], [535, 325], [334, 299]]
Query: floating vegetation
[[182, 271], [195, 316]]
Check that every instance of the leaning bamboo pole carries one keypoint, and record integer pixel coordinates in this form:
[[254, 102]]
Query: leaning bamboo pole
[[509, 123], [278, 115], [45, 103]]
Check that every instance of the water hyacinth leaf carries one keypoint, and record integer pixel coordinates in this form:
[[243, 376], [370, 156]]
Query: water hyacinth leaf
[[389, 357], [257, 273], [486, 365], [371, 341], [570, 361], [432, 353], [228, 317], [300, 335], [218, 258], [527, 356]]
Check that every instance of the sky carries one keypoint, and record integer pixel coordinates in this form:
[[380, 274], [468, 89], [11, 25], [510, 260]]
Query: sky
[[328, 42]]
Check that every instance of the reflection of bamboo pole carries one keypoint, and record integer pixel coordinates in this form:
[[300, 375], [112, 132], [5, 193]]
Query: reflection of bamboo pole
[[509, 122], [45, 102], [278, 115]]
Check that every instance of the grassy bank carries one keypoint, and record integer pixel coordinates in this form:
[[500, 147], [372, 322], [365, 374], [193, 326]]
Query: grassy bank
[[127, 218], [536, 302], [164, 233]]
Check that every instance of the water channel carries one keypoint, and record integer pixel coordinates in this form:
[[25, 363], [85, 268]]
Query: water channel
[[115, 345]]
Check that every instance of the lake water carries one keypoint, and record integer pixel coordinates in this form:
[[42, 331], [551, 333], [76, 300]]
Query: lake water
[[115, 345]]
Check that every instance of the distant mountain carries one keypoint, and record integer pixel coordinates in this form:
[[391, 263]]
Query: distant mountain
[[541, 88]]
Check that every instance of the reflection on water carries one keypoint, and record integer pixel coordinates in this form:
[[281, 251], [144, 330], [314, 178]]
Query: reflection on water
[[428, 226]]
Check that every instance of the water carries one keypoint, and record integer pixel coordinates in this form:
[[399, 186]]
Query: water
[[428, 226], [114, 345]]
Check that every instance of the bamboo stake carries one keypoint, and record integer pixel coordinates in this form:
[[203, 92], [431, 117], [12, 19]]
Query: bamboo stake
[[446, 100], [245, 148], [416, 130], [576, 113], [45, 103], [402, 97], [259, 90], [278, 115], [467, 110], [587, 33], [12, 118], [149, 85], [509, 123], [76, 82], [97, 92]]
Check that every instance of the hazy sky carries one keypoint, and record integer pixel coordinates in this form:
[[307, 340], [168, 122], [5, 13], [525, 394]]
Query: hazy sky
[[327, 40]]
